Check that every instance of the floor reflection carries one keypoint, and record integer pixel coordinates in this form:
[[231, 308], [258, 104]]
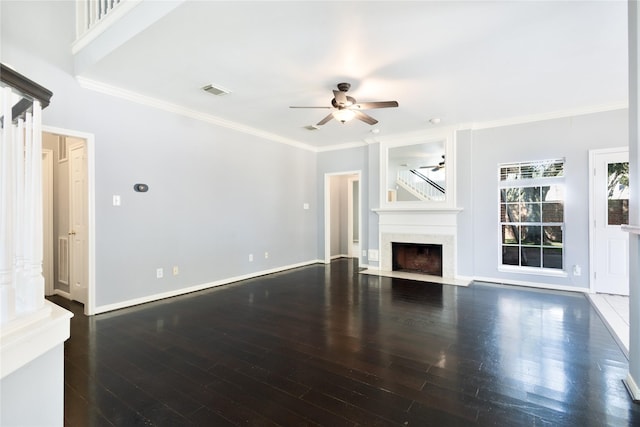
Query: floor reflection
[[326, 345]]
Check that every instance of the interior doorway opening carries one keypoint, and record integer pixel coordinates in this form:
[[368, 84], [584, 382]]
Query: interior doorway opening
[[72, 216], [342, 215]]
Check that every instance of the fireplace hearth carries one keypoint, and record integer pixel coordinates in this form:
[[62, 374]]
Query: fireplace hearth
[[417, 258]]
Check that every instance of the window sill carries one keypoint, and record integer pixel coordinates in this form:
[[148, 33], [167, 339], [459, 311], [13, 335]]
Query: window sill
[[533, 271]]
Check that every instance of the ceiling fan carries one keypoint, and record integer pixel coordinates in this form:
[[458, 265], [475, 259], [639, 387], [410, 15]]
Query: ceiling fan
[[346, 107], [435, 168]]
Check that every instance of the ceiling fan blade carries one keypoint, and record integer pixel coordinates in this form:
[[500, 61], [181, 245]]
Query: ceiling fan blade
[[340, 97], [364, 117], [372, 105], [325, 120], [308, 107]]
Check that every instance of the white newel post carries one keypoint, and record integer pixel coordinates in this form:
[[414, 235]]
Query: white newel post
[[7, 183]]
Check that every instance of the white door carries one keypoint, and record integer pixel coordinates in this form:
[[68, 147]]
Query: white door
[[610, 209], [78, 257]]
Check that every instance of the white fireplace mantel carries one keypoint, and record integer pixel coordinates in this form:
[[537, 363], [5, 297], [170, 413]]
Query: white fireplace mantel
[[419, 225]]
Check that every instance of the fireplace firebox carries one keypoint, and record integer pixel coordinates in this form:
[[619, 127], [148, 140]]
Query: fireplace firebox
[[417, 258]]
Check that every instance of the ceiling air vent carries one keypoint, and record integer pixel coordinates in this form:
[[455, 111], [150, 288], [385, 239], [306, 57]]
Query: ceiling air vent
[[215, 90]]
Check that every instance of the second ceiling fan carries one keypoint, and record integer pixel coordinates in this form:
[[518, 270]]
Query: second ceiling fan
[[346, 107]]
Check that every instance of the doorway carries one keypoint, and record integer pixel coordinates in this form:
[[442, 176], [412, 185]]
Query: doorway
[[609, 209], [73, 218], [342, 215]]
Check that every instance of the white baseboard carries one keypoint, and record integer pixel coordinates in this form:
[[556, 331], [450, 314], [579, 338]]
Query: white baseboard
[[339, 256], [632, 387], [538, 285], [163, 295]]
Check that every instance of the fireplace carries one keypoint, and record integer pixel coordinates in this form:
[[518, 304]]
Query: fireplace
[[417, 258]]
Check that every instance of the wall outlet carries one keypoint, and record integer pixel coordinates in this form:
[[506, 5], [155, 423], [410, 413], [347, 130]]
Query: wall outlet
[[176, 270], [364, 253], [250, 257], [373, 255], [266, 255], [305, 206], [159, 273], [577, 271]]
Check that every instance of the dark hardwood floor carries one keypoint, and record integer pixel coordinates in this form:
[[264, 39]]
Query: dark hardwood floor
[[323, 345]]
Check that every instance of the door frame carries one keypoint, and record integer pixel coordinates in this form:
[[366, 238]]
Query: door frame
[[89, 138], [350, 209], [592, 208], [327, 212]]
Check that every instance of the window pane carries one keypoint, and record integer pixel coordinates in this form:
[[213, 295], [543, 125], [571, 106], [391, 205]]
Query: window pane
[[509, 172], [552, 258], [618, 212], [513, 212], [530, 194], [510, 234], [510, 195], [552, 236], [531, 212], [531, 257], [510, 255], [553, 212], [531, 235], [618, 193], [553, 193]]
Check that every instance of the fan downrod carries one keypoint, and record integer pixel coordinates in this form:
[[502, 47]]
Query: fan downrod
[[344, 87]]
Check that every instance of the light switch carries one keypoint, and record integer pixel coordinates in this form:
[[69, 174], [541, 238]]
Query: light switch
[[116, 200], [305, 206]]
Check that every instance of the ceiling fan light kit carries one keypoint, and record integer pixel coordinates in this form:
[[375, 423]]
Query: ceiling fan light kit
[[346, 107], [343, 115]]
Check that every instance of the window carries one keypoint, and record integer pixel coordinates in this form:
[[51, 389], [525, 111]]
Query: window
[[532, 214]]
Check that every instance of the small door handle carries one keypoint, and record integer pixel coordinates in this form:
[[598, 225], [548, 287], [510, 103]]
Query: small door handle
[[72, 233]]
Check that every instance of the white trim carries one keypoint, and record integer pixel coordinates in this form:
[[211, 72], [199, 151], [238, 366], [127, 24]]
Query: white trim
[[538, 285], [89, 307], [592, 207], [632, 387], [28, 342], [632, 229], [580, 111], [187, 112], [163, 295], [327, 212]]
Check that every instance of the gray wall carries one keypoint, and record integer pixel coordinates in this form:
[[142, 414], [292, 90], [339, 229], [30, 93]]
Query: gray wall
[[480, 152], [349, 160], [34, 394], [215, 195]]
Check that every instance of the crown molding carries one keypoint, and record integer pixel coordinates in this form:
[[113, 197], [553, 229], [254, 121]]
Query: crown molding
[[187, 112], [561, 114]]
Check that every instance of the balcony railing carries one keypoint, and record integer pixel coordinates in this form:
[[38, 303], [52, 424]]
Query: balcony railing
[[90, 12]]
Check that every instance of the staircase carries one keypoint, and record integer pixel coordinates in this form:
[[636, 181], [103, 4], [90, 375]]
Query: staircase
[[420, 185]]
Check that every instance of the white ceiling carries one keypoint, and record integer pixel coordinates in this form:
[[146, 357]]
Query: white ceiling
[[462, 62]]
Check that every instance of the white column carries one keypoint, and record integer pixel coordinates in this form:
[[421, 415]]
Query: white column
[[7, 182], [32, 290], [633, 378]]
